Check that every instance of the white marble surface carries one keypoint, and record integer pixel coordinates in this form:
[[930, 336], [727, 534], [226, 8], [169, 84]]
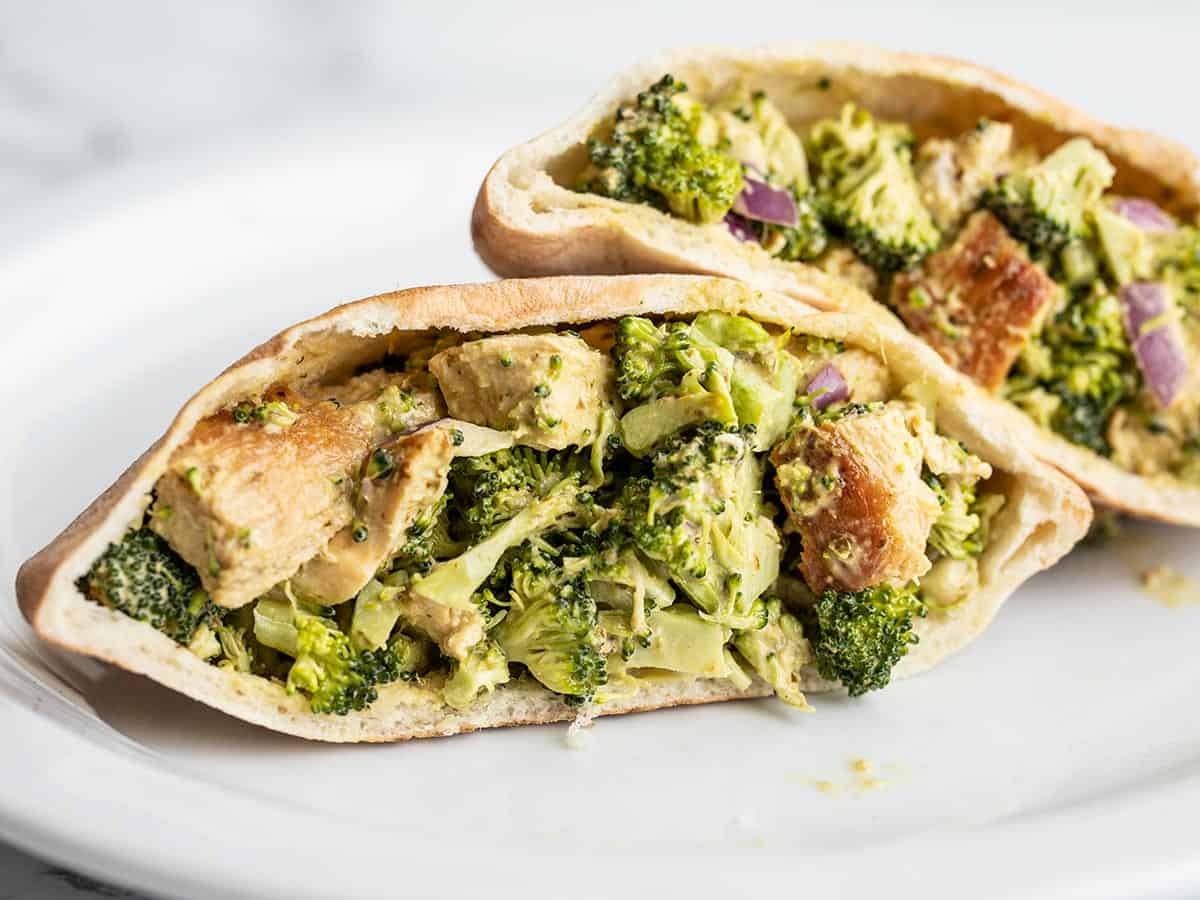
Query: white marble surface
[[92, 94]]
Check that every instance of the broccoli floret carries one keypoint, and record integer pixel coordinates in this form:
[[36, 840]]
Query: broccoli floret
[[698, 514], [956, 532], [493, 488], [1044, 204], [480, 671], [550, 624], [141, 576], [777, 651], [454, 582], [654, 156], [867, 191], [327, 669], [1075, 374], [426, 541], [719, 367], [858, 636], [651, 360]]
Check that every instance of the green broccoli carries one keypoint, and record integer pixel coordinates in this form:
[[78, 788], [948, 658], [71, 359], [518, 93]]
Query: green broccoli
[[957, 531], [480, 671], [621, 579], [777, 651], [858, 636], [1075, 374], [492, 488], [551, 621], [426, 541], [698, 513], [867, 191], [655, 156], [327, 669], [719, 367], [453, 582], [141, 576], [1044, 205]]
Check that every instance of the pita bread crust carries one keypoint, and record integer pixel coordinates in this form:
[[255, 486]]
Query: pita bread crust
[[1046, 513], [525, 223]]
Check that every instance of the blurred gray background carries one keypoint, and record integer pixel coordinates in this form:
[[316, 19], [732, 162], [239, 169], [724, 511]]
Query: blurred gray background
[[94, 94]]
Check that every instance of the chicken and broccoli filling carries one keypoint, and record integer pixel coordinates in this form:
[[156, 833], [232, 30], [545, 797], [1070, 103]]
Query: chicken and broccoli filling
[[704, 497], [1023, 271]]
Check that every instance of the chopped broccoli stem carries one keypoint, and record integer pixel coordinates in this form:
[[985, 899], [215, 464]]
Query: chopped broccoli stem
[[777, 651]]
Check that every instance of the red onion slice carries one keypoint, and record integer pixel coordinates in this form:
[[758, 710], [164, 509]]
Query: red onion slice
[[740, 228], [1145, 214], [1159, 351], [827, 387], [765, 203]]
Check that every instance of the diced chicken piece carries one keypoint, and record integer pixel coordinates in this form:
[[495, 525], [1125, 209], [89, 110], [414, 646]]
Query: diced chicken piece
[[549, 390], [954, 174], [853, 491], [247, 503], [455, 631], [404, 400], [977, 301], [387, 505], [867, 376]]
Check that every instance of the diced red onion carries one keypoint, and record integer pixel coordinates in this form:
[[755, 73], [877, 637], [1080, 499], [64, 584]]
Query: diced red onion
[[1145, 214], [1160, 353], [765, 203], [828, 387], [740, 228]]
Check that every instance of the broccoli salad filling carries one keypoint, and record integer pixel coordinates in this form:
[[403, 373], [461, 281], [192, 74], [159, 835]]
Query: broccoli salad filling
[[1024, 271], [702, 497]]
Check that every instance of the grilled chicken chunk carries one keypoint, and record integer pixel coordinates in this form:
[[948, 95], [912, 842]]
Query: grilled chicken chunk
[[247, 503], [549, 389], [402, 400], [977, 301], [853, 491], [455, 631], [409, 474]]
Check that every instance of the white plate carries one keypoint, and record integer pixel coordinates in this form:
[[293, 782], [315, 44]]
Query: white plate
[[1058, 755]]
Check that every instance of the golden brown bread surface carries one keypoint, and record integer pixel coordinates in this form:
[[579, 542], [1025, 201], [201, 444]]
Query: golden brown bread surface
[[1045, 514], [528, 221]]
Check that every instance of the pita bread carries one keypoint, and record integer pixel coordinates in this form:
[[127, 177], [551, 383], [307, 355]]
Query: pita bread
[[527, 220], [1045, 514]]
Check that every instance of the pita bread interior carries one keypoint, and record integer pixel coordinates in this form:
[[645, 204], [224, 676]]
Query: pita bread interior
[[1044, 513], [527, 220]]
